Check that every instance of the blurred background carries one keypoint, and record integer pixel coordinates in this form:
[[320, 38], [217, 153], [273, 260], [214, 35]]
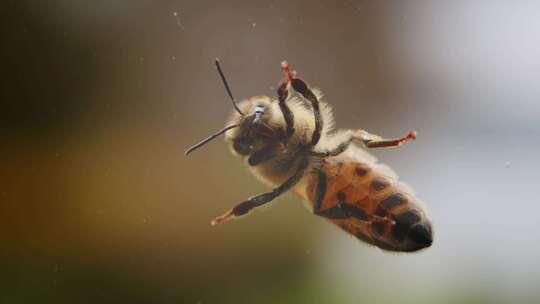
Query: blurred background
[[100, 99]]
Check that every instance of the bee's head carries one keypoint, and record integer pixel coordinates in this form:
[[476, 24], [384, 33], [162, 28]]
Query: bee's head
[[251, 123], [257, 127]]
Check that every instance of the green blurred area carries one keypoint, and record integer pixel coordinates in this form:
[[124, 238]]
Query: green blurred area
[[100, 98]]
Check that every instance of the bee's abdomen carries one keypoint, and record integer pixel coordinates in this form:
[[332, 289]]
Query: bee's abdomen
[[402, 223], [394, 219]]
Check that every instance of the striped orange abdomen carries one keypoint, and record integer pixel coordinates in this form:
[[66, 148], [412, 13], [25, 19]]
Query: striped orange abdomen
[[367, 201]]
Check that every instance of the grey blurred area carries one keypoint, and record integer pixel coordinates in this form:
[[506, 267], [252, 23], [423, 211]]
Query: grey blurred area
[[100, 99]]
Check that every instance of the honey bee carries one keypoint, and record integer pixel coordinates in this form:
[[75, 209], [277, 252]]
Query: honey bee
[[290, 144]]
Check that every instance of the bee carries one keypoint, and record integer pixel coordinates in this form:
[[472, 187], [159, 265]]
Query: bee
[[290, 144]]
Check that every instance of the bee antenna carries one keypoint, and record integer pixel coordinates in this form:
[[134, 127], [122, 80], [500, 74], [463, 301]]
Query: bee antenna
[[227, 87], [208, 139]]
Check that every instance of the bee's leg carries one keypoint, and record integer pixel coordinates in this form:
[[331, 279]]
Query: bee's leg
[[337, 150], [301, 87], [368, 140], [341, 210], [262, 155], [375, 141], [320, 192], [283, 93], [264, 198]]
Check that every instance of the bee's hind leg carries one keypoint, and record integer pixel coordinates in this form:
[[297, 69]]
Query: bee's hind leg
[[261, 199], [342, 210]]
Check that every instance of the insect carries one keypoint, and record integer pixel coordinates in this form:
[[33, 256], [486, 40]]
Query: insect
[[291, 145]]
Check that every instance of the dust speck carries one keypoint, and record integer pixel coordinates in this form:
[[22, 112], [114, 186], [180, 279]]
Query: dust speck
[[178, 17]]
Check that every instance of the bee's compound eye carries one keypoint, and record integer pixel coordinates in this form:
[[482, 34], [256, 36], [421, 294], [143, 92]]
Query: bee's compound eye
[[243, 146]]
